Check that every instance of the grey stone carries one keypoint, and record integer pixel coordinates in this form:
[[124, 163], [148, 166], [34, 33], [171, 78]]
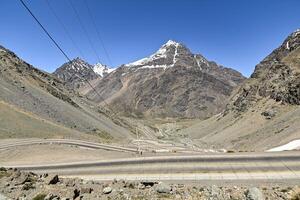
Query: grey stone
[[254, 194], [51, 196], [2, 197], [52, 179], [107, 190], [86, 190], [269, 114], [216, 193], [163, 188]]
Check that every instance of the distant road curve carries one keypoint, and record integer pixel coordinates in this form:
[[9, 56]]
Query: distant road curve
[[80, 143]]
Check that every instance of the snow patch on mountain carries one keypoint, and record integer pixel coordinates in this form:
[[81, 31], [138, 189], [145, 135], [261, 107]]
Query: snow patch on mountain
[[160, 54], [101, 69], [293, 145], [154, 66]]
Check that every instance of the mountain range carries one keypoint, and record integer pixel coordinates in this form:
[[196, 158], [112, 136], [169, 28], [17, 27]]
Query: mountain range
[[225, 109], [173, 82]]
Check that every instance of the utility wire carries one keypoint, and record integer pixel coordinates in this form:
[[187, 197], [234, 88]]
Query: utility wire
[[98, 32], [48, 34], [84, 30], [65, 29], [62, 51]]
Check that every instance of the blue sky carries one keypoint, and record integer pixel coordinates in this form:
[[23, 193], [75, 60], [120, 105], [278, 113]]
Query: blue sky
[[234, 33]]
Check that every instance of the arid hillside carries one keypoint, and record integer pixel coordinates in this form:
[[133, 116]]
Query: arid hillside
[[34, 103], [262, 113]]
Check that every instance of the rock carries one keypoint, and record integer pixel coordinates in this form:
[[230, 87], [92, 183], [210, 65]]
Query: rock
[[130, 184], [216, 193], [51, 196], [3, 169], [254, 194], [107, 190], [269, 114], [141, 186], [86, 190], [52, 179], [163, 188], [2, 197], [76, 193], [148, 183], [28, 186]]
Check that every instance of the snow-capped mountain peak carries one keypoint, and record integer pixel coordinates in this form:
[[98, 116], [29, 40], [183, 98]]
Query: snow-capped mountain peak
[[101, 69], [172, 42], [166, 56]]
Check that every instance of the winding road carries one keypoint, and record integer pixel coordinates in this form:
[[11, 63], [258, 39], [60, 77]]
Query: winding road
[[249, 167]]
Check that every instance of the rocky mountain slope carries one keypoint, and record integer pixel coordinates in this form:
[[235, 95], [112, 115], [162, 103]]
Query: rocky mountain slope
[[264, 112], [173, 82], [75, 73], [34, 103]]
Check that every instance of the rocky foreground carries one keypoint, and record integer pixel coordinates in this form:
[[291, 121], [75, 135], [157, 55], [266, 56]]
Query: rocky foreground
[[15, 184]]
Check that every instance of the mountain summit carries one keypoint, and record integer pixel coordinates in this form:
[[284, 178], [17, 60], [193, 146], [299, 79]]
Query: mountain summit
[[172, 82], [167, 56], [76, 72]]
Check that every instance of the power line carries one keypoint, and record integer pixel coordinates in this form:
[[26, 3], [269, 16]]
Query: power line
[[48, 34], [84, 30], [64, 28], [62, 51], [98, 33]]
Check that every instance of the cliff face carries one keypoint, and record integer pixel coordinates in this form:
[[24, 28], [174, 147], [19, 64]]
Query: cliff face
[[264, 111], [276, 77]]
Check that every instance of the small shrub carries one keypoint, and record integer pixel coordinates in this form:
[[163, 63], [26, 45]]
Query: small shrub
[[39, 197]]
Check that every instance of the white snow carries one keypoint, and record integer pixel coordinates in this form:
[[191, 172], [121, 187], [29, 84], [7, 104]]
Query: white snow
[[172, 42], [176, 50], [102, 69], [293, 145], [139, 62], [161, 53], [296, 32], [287, 46], [153, 66]]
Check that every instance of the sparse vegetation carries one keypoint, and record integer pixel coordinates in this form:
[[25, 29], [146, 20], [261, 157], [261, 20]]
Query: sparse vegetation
[[102, 134], [39, 197]]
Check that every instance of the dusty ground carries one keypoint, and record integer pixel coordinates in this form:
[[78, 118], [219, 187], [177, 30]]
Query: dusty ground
[[249, 131], [55, 153]]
